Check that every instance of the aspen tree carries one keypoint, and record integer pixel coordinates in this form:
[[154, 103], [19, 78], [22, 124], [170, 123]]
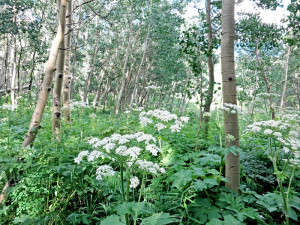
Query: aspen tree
[[133, 96], [229, 92], [57, 91], [67, 76], [210, 63], [47, 82], [282, 101], [117, 109]]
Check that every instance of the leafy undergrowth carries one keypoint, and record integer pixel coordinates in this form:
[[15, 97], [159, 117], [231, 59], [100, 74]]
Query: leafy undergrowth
[[48, 187]]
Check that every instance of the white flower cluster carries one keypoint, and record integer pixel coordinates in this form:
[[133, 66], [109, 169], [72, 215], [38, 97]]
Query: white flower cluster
[[134, 182], [207, 114], [294, 116], [279, 130], [265, 95], [93, 116], [268, 127], [114, 148], [152, 87], [104, 171], [232, 108], [80, 156], [4, 119], [164, 116], [112, 142], [150, 167], [138, 109], [78, 104], [90, 156], [9, 107]]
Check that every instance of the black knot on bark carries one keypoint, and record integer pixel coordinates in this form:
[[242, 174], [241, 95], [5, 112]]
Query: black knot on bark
[[39, 127], [230, 78], [57, 114], [60, 75], [54, 69], [49, 89]]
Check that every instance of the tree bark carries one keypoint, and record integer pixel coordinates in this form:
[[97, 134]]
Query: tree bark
[[47, 82], [185, 93], [262, 72], [57, 91], [133, 96], [282, 101], [6, 62], [67, 76], [14, 69], [210, 63], [98, 93], [91, 70], [254, 95], [117, 109], [229, 92]]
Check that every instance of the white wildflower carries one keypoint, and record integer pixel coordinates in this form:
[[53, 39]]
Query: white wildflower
[[109, 146], [185, 119], [294, 134], [104, 171], [277, 134], [94, 155], [285, 149], [134, 152], [134, 182], [93, 116], [160, 126], [115, 137], [230, 138], [207, 114], [268, 132], [145, 121], [255, 129], [121, 150], [80, 156], [153, 149]]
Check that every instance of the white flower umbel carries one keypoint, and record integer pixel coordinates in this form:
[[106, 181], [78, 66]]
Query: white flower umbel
[[232, 108], [78, 104], [94, 155], [160, 126], [150, 167], [104, 171], [109, 146], [9, 107], [153, 149], [163, 117], [134, 182], [230, 138], [80, 156], [268, 132], [207, 114], [93, 116]]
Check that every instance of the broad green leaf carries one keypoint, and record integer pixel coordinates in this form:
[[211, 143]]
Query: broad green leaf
[[160, 219], [112, 220]]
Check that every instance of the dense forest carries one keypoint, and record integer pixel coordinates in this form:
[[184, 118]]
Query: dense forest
[[149, 112]]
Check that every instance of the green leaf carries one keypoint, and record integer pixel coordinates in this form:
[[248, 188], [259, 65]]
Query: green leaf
[[200, 185], [21, 219], [293, 214], [133, 207], [205, 211], [112, 220], [230, 220], [160, 219], [181, 178], [215, 222]]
